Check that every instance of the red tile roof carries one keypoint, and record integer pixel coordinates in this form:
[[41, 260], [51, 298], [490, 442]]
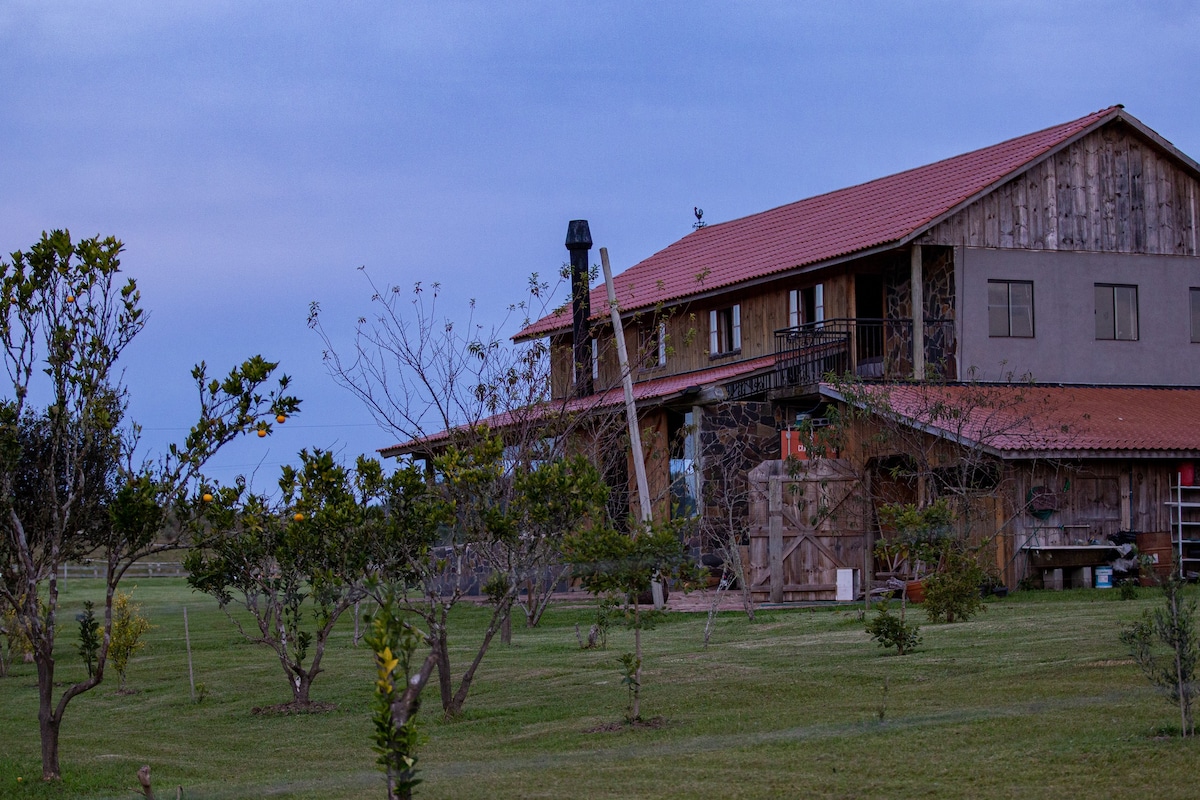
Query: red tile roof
[[824, 227], [1024, 420], [643, 392]]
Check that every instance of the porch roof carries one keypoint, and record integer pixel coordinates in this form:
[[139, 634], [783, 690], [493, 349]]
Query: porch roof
[[1025, 421], [646, 392]]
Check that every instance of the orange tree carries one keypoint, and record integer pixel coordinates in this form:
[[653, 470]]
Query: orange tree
[[69, 485], [296, 565]]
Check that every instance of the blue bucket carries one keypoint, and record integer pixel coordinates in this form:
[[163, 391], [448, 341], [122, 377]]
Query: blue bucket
[[1103, 577]]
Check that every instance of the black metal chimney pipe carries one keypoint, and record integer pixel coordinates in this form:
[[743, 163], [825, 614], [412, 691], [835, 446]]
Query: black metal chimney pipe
[[579, 242]]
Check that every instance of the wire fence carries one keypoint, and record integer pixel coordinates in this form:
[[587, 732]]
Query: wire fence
[[138, 570]]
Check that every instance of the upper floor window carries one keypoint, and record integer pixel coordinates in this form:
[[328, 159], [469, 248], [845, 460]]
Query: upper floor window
[[1010, 308], [1116, 312], [725, 330], [653, 346], [1195, 315], [806, 306]]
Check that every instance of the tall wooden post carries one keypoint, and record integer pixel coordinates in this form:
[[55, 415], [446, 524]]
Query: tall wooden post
[[635, 434], [917, 278]]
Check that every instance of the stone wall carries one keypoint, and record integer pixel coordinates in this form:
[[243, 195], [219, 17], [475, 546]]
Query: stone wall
[[732, 438], [941, 343]]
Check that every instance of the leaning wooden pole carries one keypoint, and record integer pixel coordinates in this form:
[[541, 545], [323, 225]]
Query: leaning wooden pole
[[635, 435], [187, 638]]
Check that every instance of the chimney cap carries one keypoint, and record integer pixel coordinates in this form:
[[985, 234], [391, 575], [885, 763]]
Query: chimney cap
[[579, 236]]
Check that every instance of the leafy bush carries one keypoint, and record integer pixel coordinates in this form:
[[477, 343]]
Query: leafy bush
[[892, 630], [89, 636], [1165, 645], [396, 740], [16, 643], [952, 593], [127, 630]]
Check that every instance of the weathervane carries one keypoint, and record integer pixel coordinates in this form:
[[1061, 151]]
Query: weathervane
[[699, 223]]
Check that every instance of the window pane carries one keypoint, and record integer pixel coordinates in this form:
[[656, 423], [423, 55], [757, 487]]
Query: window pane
[[1021, 306], [1105, 325], [997, 308], [1196, 315], [1126, 312]]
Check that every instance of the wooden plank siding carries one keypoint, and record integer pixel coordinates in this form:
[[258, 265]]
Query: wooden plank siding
[[764, 309], [1111, 191]]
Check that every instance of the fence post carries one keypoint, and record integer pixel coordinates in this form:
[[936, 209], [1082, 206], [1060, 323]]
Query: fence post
[[775, 535]]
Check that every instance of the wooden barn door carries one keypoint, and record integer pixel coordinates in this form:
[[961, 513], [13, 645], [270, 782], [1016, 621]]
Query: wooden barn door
[[804, 531]]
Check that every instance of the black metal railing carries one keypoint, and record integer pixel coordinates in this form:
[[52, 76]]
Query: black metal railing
[[868, 348]]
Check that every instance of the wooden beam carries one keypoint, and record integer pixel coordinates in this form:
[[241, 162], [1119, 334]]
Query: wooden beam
[[917, 279], [635, 435]]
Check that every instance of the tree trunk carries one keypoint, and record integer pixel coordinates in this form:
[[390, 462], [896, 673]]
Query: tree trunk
[[48, 723], [441, 647], [464, 685], [301, 685]]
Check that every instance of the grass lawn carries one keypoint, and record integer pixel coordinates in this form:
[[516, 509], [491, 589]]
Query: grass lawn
[[1034, 698]]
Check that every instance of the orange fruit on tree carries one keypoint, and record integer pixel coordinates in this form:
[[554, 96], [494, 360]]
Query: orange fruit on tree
[[262, 432], [297, 516], [281, 419], [70, 298], [208, 498]]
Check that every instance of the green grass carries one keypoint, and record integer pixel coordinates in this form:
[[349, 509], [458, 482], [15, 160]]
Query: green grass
[[1034, 698]]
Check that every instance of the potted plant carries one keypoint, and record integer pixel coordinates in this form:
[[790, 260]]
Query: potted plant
[[918, 545]]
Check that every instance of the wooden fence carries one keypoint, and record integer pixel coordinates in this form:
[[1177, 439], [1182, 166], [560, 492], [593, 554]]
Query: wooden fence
[[141, 569]]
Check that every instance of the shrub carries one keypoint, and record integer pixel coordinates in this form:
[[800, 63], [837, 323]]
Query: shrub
[[1165, 645], [89, 636], [952, 593], [892, 630], [127, 630]]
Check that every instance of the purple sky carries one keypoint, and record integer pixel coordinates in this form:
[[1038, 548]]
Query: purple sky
[[253, 155]]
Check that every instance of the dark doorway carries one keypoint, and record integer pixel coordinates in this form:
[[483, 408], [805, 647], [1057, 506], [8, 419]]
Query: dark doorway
[[868, 296]]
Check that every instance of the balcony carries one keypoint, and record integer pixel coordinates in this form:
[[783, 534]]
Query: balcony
[[871, 349]]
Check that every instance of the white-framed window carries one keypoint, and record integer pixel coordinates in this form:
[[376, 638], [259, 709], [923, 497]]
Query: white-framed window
[[1010, 309], [806, 306], [653, 346], [725, 330], [1116, 312], [595, 359]]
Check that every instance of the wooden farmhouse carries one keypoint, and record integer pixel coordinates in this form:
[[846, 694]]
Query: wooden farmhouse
[[1024, 319]]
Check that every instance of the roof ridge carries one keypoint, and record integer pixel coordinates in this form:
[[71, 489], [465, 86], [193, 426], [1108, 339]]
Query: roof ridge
[[887, 211], [1097, 115]]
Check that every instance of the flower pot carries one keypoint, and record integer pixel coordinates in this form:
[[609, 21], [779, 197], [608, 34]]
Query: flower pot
[[915, 591]]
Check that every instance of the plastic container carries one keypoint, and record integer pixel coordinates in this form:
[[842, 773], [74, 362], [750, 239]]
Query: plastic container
[[1103, 577]]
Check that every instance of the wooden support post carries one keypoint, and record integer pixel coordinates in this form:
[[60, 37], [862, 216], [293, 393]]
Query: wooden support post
[[775, 535], [635, 434], [868, 564], [918, 313]]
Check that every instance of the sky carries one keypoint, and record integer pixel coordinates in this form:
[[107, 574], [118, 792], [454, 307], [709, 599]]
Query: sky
[[252, 156]]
